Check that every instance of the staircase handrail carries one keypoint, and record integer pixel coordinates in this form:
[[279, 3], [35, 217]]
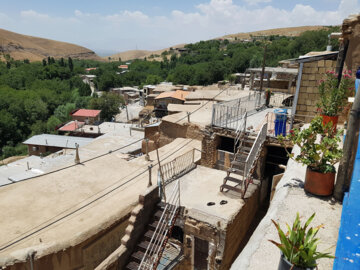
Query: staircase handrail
[[254, 152], [152, 252]]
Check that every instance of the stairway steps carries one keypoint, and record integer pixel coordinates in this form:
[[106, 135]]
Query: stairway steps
[[231, 188], [158, 214], [137, 256], [144, 244], [132, 266], [236, 171], [150, 233], [154, 224], [233, 179]]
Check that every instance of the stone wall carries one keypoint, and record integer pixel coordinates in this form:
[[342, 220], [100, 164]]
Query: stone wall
[[209, 146], [204, 231], [138, 221], [313, 72]]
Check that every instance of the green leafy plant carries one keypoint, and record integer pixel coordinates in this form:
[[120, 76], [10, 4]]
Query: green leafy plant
[[332, 98], [299, 243], [319, 145]]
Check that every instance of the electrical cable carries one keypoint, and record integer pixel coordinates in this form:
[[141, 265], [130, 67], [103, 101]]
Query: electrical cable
[[87, 204], [105, 194]]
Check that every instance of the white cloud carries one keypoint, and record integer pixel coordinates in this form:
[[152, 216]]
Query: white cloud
[[31, 14], [126, 29], [255, 2]]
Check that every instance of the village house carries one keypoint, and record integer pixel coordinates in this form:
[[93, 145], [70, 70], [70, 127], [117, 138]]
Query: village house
[[164, 99], [86, 115], [48, 143]]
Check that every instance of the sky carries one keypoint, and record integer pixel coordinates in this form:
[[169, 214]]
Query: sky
[[110, 26]]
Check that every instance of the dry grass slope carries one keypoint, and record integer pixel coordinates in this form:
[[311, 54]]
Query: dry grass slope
[[22, 47]]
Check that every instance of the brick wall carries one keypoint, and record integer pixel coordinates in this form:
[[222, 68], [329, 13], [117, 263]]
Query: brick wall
[[313, 72]]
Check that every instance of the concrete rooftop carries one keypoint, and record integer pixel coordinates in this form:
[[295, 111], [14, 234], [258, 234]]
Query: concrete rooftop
[[18, 170], [196, 191], [289, 199], [31, 204], [216, 96]]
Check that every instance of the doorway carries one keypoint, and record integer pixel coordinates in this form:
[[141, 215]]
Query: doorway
[[201, 254]]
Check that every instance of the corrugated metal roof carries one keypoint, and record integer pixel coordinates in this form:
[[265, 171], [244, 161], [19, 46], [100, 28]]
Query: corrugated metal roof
[[57, 140]]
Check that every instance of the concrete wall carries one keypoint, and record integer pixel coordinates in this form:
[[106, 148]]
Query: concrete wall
[[86, 119], [86, 255], [313, 72]]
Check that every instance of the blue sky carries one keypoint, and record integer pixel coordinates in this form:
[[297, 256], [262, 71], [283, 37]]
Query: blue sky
[[110, 26]]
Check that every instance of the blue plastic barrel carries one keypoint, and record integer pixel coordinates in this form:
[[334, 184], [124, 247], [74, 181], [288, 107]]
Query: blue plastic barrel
[[280, 121]]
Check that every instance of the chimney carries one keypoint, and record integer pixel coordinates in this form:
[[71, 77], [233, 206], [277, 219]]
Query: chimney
[[77, 158]]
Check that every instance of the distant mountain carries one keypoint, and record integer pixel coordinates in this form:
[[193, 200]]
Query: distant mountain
[[288, 31], [140, 54], [22, 47]]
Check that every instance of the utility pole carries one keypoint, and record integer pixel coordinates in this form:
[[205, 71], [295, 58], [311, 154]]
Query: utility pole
[[127, 113], [346, 166], [263, 69]]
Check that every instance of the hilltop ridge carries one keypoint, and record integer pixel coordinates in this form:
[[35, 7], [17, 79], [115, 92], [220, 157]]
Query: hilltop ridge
[[287, 31], [22, 47]]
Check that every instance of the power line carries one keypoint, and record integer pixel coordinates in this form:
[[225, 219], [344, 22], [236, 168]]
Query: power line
[[70, 166], [87, 204], [103, 195]]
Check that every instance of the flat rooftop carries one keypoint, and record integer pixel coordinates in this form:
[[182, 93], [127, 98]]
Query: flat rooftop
[[216, 95], [19, 171], [57, 141], [196, 191], [201, 117], [113, 181]]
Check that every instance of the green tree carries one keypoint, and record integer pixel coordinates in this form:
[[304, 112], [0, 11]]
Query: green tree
[[52, 123], [84, 90], [62, 112], [153, 79], [70, 63], [108, 103]]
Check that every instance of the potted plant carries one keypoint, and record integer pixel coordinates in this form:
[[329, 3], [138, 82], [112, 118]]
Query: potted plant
[[298, 246], [333, 98], [320, 151]]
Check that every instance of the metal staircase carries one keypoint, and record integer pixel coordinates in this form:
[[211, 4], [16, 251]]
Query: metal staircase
[[149, 251], [246, 155]]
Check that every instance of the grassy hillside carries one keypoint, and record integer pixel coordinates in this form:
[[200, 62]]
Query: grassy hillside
[[22, 47], [288, 31]]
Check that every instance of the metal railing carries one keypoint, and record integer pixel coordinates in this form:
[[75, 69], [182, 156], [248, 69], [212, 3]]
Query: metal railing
[[228, 114], [159, 238], [178, 166], [283, 124], [253, 157], [240, 132]]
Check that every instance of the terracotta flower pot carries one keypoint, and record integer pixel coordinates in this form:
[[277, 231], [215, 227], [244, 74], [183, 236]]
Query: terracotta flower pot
[[318, 183], [333, 119]]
